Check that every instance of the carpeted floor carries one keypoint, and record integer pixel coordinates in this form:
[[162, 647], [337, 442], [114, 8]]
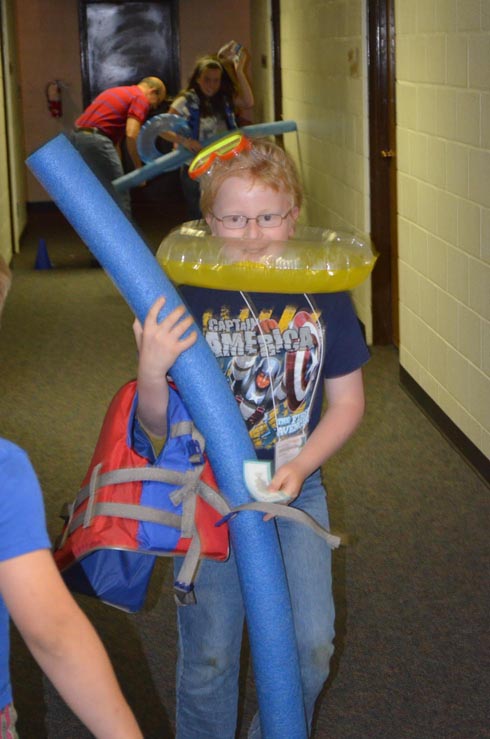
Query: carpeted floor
[[412, 648]]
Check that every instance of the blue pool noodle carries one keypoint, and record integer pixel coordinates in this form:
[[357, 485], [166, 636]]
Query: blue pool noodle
[[128, 261], [174, 160]]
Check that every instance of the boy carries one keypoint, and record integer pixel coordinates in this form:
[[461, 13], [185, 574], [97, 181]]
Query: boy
[[275, 350], [56, 631]]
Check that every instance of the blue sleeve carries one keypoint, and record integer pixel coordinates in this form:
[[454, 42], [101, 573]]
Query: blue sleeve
[[22, 517], [346, 349]]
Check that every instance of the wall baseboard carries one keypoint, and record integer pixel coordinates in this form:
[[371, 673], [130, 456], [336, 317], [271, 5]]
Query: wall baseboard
[[448, 428]]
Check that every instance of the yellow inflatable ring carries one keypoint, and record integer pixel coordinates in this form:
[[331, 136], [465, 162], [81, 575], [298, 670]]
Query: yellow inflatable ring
[[316, 260]]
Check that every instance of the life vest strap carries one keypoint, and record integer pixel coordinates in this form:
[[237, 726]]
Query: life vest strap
[[191, 487], [294, 514], [214, 499], [181, 428], [124, 475], [184, 584], [187, 496], [133, 511]]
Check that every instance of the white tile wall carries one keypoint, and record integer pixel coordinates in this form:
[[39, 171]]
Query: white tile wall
[[443, 152]]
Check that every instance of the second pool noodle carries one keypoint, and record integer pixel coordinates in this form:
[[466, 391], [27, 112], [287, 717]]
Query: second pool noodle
[[157, 163], [130, 264]]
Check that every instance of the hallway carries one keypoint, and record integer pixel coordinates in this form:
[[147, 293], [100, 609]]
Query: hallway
[[412, 650]]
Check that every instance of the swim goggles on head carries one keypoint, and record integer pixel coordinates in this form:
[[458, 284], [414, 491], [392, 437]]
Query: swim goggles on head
[[226, 148]]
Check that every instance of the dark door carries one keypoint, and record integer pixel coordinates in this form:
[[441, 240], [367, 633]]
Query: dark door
[[122, 42], [382, 158], [276, 60]]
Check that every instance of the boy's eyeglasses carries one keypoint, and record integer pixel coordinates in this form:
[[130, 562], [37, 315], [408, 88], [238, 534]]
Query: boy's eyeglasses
[[265, 220], [225, 148]]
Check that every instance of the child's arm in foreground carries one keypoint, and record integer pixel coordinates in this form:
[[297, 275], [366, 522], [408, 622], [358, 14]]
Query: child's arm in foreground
[[65, 644], [159, 345], [345, 396]]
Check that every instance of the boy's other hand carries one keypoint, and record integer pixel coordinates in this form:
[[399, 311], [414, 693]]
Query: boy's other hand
[[288, 479], [161, 343]]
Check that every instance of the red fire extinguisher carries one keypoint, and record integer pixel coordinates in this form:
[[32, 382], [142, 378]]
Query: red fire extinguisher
[[53, 97]]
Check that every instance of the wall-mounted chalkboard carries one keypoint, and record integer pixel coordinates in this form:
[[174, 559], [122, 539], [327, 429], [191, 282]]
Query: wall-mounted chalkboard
[[122, 42]]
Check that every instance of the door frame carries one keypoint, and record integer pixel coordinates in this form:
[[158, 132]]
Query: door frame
[[14, 209], [382, 169], [275, 7]]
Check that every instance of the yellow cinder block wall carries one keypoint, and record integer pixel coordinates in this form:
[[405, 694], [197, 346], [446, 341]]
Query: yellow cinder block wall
[[443, 145]]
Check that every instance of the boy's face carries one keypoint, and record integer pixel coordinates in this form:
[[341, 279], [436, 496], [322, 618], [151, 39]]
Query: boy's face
[[238, 196]]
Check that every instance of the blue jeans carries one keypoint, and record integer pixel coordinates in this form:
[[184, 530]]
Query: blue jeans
[[101, 156], [210, 632]]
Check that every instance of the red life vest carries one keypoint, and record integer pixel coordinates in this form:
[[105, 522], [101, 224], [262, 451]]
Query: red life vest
[[131, 509]]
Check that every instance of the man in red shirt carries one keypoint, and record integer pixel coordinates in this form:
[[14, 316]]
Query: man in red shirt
[[116, 114]]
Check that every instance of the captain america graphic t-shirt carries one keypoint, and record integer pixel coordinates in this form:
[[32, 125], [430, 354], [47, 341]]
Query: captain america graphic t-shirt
[[275, 350]]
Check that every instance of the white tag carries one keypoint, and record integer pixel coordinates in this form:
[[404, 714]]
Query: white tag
[[257, 475]]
